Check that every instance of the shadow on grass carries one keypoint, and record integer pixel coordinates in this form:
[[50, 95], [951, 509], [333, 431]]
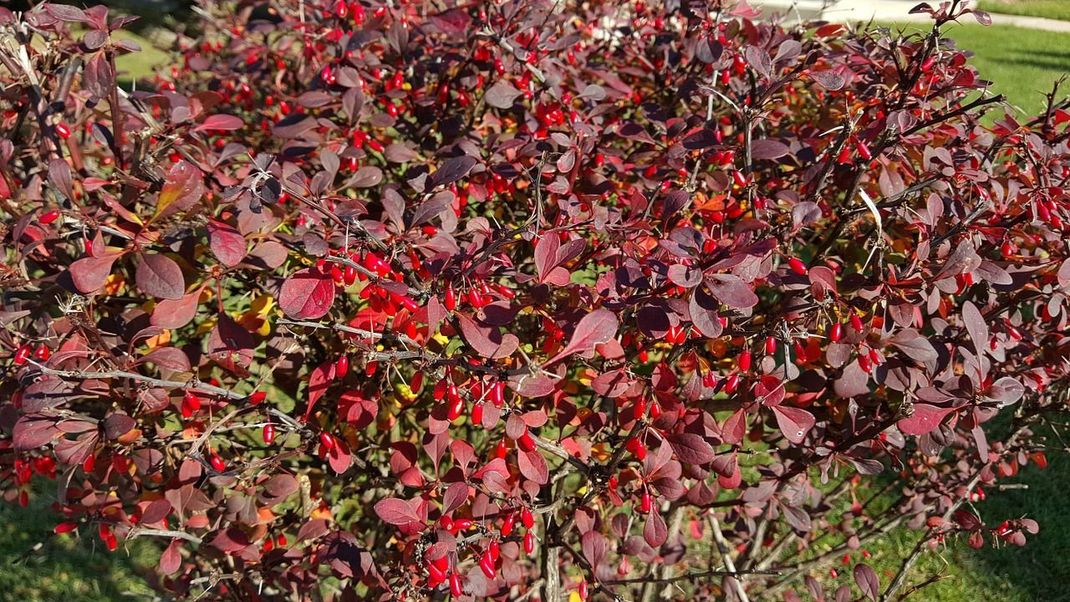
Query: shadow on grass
[[66, 568], [1055, 62], [1041, 569]]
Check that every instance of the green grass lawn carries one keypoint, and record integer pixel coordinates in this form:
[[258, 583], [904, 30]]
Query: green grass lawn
[[65, 568], [1051, 9], [1021, 63], [1039, 571], [139, 65]]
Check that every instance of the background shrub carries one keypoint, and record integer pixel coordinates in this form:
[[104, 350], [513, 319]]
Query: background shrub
[[516, 299]]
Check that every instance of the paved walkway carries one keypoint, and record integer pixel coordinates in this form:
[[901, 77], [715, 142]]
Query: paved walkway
[[850, 11]]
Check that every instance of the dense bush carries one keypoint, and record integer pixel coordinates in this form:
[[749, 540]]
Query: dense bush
[[522, 299]]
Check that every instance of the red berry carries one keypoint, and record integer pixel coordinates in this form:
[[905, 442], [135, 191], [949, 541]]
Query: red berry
[[327, 441], [436, 574], [655, 410], [640, 408], [22, 354], [341, 366], [507, 524], [864, 363], [191, 404], [744, 360], [63, 131], [497, 394], [863, 150], [486, 564], [269, 433], [770, 345], [439, 392], [844, 155], [217, 463], [456, 589], [527, 518], [65, 527], [442, 563], [731, 383], [645, 503], [636, 447], [856, 322], [456, 406], [525, 442], [836, 332], [529, 543], [48, 217], [450, 299], [797, 266]]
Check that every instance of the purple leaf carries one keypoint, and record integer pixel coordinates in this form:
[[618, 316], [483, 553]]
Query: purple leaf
[[982, 17], [924, 419], [699, 139], [176, 313], [794, 422], [1063, 275], [533, 466], [915, 346], [731, 291], [1006, 391], [703, 309], [183, 187], [455, 497], [488, 341], [867, 580], [976, 326], [501, 95], [595, 328], [768, 149], [691, 448], [307, 294], [220, 123], [451, 170], [829, 80], [90, 273], [171, 559], [654, 531], [593, 544], [396, 511], [227, 244], [158, 275]]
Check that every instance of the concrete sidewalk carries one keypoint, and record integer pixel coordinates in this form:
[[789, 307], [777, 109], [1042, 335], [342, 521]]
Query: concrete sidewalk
[[852, 11]]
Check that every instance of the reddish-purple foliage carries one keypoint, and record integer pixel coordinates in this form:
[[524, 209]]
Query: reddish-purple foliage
[[521, 299]]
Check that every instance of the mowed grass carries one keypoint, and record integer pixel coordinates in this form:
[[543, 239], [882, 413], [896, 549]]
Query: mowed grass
[[1038, 571], [140, 65], [1049, 9], [1022, 64], [66, 568]]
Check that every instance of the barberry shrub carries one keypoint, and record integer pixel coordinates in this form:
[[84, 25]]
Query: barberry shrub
[[522, 299]]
